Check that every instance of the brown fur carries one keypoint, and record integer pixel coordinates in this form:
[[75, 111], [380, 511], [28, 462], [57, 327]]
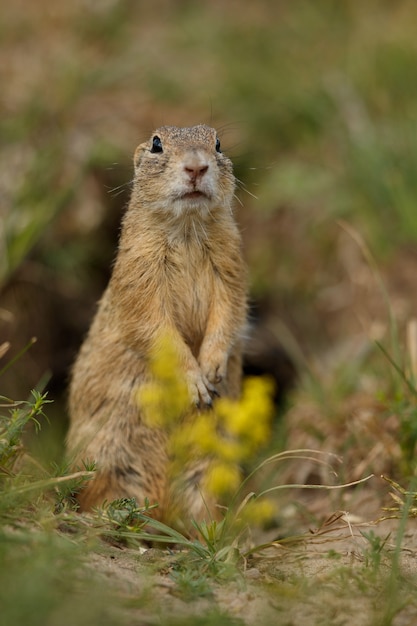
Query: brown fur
[[179, 271]]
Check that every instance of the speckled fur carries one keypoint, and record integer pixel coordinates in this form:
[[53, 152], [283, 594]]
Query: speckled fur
[[179, 270]]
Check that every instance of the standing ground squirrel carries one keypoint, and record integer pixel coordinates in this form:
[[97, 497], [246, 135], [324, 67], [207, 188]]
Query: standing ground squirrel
[[179, 272]]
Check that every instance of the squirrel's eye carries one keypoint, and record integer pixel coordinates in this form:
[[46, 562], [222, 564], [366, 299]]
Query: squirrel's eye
[[218, 145], [156, 144]]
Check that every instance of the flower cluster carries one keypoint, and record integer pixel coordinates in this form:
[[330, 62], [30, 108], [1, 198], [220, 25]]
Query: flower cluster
[[164, 399], [226, 435]]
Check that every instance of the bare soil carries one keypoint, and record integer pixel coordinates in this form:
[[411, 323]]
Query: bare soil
[[332, 576]]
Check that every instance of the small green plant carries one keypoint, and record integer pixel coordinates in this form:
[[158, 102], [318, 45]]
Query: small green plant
[[373, 554], [190, 582], [14, 423], [68, 484]]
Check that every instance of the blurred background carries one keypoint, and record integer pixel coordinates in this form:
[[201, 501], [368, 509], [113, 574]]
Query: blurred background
[[316, 104]]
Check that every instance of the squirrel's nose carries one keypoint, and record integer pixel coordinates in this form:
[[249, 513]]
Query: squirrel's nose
[[195, 171]]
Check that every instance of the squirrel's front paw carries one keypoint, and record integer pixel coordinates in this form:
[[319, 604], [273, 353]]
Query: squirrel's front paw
[[214, 366], [201, 390]]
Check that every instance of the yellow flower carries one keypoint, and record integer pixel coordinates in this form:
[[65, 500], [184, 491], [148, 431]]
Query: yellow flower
[[193, 438], [222, 478], [249, 418], [225, 436], [164, 399], [259, 511]]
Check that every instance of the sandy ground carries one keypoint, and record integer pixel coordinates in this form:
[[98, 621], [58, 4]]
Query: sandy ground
[[333, 577]]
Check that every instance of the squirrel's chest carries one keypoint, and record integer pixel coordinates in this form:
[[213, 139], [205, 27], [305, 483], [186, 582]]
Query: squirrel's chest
[[190, 277]]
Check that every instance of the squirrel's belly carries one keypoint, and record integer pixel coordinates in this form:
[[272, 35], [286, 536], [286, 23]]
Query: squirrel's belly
[[192, 308]]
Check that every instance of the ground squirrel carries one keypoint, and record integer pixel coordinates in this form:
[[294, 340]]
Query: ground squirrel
[[179, 270]]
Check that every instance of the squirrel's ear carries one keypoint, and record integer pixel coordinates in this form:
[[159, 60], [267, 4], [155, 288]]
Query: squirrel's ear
[[138, 154]]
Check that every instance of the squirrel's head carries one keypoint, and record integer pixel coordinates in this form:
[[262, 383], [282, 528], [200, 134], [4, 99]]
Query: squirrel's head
[[182, 170]]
